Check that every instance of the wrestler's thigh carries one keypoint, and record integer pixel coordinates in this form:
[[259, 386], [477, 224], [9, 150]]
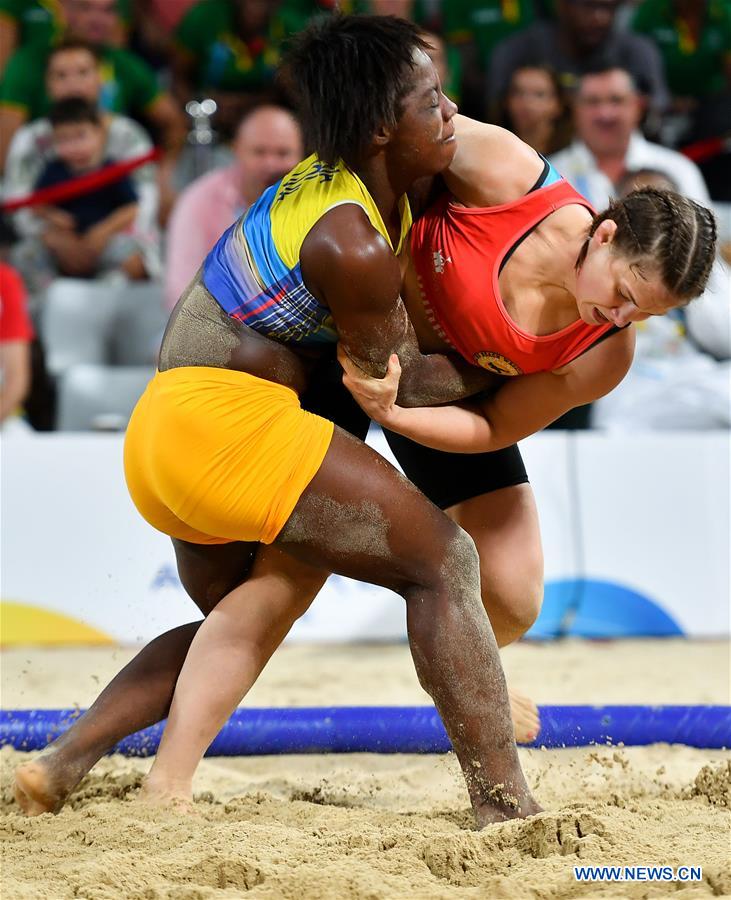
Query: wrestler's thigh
[[505, 528], [210, 571], [361, 518]]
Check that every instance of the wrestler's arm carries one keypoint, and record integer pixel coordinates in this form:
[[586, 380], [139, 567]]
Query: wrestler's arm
[[350, 268], [491, 166], [520, 407]]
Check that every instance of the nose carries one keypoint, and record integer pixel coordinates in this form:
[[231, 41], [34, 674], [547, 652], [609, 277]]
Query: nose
[[449, 108], [622, 315]]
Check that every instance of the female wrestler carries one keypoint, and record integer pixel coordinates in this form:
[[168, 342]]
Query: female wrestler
[[220, 455], [535, 285], [542, 284]]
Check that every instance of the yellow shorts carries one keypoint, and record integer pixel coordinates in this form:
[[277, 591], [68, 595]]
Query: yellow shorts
[[213, 455]]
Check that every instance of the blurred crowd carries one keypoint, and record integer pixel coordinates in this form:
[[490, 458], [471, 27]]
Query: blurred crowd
[[134, 132]]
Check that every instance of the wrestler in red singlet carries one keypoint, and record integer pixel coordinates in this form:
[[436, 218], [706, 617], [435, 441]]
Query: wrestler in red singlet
[[458, 253]]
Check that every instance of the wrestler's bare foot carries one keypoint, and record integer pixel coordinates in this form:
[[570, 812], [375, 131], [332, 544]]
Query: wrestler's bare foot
[[501, 809], [526, 720], [157, 792], [40, 788]]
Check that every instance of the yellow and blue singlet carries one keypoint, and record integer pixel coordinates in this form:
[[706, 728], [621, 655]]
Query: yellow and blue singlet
[[254, 270]]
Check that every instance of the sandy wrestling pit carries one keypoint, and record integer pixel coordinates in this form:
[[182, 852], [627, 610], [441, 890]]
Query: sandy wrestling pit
[[366, 826]]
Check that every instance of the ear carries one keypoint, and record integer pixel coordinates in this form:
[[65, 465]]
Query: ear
[[605, 232], [382, 137]]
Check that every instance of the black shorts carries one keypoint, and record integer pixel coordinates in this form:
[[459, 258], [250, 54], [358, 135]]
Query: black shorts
[[445, 478]]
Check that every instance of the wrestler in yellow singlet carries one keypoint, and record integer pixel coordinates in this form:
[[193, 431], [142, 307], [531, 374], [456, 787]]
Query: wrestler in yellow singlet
[[214, 455]]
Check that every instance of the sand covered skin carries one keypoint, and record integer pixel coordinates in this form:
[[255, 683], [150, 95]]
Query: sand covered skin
[[366, 826]]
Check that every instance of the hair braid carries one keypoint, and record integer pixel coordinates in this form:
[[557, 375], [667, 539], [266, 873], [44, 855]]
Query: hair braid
[[670, 233]]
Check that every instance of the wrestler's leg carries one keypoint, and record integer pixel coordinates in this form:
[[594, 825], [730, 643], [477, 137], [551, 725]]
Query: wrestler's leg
[[227, 655], [362, 519], [140, 694], [505, 528]]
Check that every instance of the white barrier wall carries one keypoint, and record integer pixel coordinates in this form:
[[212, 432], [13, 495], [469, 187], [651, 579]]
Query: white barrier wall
[[636, 539]]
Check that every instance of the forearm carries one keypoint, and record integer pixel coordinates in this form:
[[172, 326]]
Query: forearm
[[435, 378], [455, 429], [117, 221]]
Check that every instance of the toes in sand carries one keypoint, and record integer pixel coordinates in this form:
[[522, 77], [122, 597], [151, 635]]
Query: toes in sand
[[35, 791], [526, 720], [178, 801]]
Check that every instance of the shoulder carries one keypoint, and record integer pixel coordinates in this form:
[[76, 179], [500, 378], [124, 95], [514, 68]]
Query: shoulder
[[637, 47], [678, 167], [206, 190], [35, 137], [125, 61], [534, 35], [53, 169], [346, 233], [204, 17], [344, 247], [491, 166]]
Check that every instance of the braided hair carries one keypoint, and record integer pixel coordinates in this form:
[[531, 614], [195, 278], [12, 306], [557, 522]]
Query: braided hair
[[666, 231]]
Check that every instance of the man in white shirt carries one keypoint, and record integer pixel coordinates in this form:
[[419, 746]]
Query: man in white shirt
[[607, 112]]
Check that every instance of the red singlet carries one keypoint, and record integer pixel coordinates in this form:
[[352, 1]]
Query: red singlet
[[457, 253]]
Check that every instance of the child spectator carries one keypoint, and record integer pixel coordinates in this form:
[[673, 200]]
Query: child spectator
[[75, 70], [86, 234]]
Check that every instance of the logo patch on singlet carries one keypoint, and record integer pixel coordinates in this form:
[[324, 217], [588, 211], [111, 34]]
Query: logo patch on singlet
[[440, 261], [497, 363]]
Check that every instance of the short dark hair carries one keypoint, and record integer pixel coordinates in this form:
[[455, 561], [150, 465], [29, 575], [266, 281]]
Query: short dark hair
[[69, 44], [349, 75], [603, 66], [665, 231], [73, 110]]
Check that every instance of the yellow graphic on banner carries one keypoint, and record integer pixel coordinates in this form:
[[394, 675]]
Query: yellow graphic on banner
[[21, 623]]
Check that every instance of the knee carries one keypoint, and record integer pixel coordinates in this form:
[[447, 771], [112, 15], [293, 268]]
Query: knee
[[453, 572], [513, 607]]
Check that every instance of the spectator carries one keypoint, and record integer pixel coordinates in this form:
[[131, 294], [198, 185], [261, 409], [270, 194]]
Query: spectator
[[680, 376], [581, 39], [694, 40], [74, 71], [129, 85], [472, 29], [16, 334], [607, 113], [536, 110], [268, 144], [229, 50], [26, 23], [85, 234]]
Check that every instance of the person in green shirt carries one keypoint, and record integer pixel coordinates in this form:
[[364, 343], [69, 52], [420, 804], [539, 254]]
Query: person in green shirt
[[41, 23], [129, 85], [472, 28], [694, 40], [228, 50], [25, 23]]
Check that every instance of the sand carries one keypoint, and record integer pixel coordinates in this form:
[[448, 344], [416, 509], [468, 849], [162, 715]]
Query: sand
[[366, 826]]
